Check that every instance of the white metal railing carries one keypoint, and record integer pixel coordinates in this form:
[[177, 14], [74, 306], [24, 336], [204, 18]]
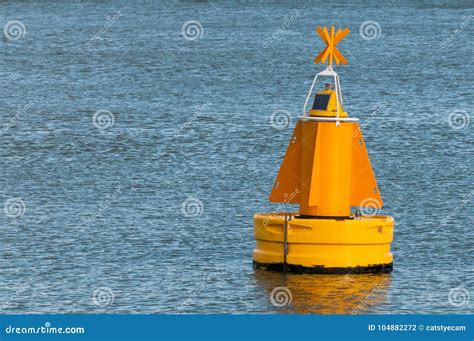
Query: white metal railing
[[329, 72]]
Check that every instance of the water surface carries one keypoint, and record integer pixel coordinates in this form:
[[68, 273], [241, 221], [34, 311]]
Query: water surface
[[103, 228]]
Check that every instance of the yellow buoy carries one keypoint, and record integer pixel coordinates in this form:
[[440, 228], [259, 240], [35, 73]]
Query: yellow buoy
[[326, 170]]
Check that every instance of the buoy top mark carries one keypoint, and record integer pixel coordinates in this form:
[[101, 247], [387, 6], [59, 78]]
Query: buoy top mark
[[331, 39]]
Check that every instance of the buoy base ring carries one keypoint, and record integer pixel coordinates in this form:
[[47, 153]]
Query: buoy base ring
[[325, 246], [298, 269]]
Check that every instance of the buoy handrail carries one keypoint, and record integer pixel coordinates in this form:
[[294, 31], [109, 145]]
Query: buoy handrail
[[285, 242]]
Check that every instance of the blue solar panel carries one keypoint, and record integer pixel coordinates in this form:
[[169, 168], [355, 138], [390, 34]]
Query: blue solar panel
[[321, 102]]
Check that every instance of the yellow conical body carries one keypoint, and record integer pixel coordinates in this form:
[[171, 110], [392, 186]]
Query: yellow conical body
[[330, 167]]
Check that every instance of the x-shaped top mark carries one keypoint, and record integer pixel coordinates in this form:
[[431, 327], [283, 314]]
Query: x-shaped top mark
[[331, 41]]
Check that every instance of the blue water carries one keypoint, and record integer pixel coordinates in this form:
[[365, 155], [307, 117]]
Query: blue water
[[92, 219]]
